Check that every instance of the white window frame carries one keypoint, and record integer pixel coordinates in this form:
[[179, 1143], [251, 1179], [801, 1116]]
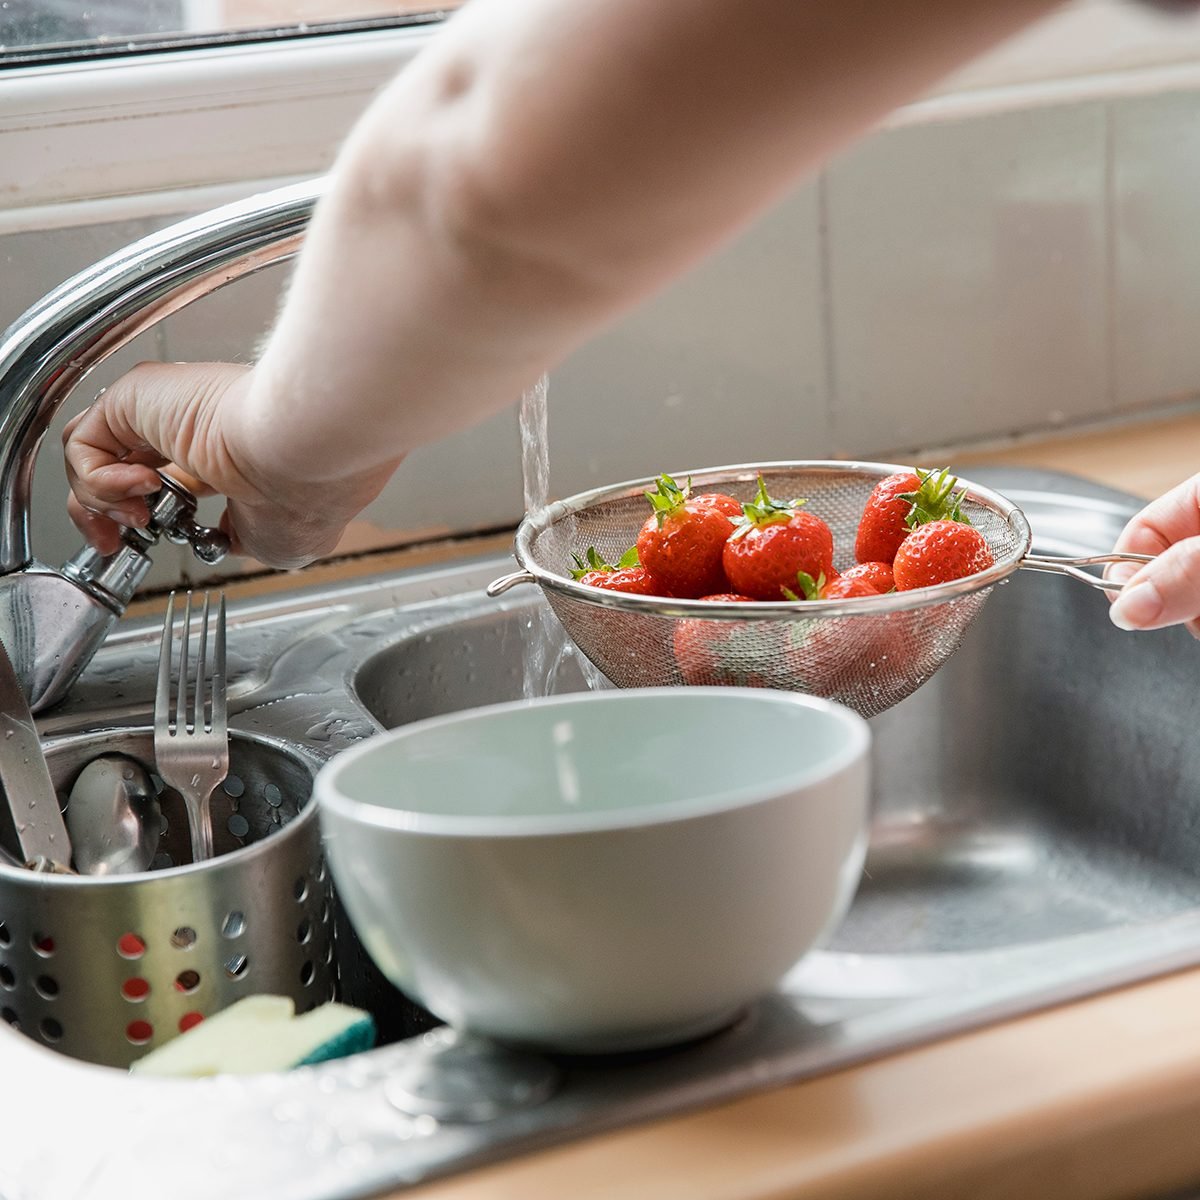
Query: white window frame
[[130, 132]]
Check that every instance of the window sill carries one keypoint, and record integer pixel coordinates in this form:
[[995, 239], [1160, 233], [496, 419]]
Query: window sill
[[187, 120]]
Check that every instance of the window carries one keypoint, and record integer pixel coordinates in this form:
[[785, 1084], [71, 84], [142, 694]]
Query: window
[[46, 31]]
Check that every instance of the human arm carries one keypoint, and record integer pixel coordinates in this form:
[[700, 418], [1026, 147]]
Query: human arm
[[539, 169]]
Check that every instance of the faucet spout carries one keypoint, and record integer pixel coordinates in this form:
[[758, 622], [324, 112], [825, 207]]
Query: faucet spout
[[43, 356]]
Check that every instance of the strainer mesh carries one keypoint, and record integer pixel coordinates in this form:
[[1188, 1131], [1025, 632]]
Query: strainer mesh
[[868, 660]]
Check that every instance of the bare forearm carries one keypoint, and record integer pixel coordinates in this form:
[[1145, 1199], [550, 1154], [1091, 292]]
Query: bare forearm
[[547, 164]]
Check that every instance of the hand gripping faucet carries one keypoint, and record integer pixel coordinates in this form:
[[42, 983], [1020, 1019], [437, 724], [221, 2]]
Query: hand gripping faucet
[[52, 620]]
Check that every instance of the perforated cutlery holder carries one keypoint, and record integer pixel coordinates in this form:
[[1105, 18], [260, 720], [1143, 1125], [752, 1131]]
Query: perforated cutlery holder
[[107, 968]]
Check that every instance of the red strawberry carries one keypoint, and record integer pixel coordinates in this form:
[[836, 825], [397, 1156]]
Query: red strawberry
[[722, 653], [772, 543], [898, 504], [876, 575], [681, 545], [840, 587], [939, 552], [719, 500], [845, 587], [627, 576]]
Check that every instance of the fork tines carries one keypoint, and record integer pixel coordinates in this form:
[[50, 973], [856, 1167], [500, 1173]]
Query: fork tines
[[207, 704]]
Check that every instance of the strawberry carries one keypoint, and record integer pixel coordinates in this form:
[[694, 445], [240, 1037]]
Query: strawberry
[[719, 500], [876, 575], [627, 576], [898, 504], [840, 587], [846, 587], [939, 552], [682, 543], [721, 653], [772, 543]]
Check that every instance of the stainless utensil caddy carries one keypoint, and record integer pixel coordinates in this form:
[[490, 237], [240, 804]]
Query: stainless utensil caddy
[[107, 968]]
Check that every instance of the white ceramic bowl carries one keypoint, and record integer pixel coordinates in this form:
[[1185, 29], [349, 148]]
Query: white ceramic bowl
[[602, 871]]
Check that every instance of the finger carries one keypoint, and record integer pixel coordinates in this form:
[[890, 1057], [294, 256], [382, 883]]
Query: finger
[[156, 414], [99, 531], [98, 465], [193, 483], [227, 528], [1164, 592], [1175, 515]]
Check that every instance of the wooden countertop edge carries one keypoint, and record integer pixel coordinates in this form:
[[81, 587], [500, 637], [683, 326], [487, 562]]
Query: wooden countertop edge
[[1092, 1100]]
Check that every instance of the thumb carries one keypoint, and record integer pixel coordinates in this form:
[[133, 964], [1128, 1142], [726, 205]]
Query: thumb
[[1164, 592]]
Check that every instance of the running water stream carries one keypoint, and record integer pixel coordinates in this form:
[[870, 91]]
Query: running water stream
[[545, 642], [546, 645]]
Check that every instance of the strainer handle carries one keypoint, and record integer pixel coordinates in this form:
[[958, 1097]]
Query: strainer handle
[[1054, 565], [499, 586]]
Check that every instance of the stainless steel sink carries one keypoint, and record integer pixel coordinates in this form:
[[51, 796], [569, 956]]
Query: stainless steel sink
[[1035, 837], [1045, 783]]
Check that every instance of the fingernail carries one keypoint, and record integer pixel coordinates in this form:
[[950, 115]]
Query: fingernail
[[1137, 607], [145, 488], [131, 516]]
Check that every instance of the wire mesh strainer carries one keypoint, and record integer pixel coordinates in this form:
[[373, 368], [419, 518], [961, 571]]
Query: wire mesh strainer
[[868, 653]]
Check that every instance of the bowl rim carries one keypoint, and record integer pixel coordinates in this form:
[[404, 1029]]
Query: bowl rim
[[331, 798]]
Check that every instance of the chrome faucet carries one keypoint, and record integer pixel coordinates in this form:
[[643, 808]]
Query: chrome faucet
[[52, 620]]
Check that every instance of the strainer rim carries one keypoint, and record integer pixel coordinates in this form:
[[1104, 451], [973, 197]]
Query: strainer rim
[[543, 518]]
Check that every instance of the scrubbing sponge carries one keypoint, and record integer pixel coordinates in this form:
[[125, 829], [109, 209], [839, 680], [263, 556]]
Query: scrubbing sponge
[[262, 1033]]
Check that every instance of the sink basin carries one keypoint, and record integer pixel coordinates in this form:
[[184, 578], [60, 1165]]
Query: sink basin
[[1045, 783], [1035, 837]]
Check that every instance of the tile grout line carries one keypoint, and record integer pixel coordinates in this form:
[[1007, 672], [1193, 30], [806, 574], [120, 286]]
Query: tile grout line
[[825, 256], [1108, 213]]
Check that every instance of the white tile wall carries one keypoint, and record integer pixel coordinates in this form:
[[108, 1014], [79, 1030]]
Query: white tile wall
[[944, 282], [967, 279], [1156, 247], [728, 365]]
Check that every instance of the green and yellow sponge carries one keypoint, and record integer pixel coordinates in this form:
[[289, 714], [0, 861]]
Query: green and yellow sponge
[[261, 1034]]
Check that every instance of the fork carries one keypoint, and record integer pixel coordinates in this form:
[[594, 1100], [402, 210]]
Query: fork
[[191, 750]]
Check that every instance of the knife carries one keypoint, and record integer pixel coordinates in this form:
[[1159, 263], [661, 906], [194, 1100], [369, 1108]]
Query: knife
[[25, 778]]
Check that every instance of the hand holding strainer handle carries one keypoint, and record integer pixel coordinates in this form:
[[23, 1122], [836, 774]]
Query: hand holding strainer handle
[[1056, 565]]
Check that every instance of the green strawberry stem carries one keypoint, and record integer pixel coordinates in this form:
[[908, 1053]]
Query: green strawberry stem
[[763, 510], [592, 561], [935, 499], [808, 585], [668, 497]]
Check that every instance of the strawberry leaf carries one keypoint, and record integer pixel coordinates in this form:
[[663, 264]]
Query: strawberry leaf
[[935, 499], [668, 497], [763, 510], [592, 561]]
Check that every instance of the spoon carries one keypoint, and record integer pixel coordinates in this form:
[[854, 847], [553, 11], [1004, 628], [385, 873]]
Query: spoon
[[114, 817]]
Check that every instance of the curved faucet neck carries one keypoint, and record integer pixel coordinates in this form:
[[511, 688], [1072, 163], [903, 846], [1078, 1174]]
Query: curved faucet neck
[[46, 352]]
